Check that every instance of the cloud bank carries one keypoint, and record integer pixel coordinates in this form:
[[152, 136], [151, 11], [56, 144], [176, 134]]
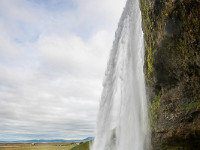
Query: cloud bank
[[53, 56]]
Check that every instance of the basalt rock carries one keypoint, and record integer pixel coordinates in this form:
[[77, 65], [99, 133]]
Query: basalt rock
[[172, 69]]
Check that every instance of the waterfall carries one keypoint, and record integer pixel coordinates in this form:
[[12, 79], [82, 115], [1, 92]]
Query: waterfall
[[122, 121]]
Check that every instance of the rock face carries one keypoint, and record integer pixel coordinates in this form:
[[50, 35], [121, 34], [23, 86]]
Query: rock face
[[172, 68]]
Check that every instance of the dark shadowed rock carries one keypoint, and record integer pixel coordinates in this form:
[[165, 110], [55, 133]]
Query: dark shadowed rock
[[172, 69], [173, 26]]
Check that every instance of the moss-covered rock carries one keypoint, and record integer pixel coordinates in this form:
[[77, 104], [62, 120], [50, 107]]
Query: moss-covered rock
[[172, 67]]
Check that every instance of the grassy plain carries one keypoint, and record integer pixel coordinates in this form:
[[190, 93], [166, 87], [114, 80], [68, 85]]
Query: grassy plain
[[83, 146], [37, 146]]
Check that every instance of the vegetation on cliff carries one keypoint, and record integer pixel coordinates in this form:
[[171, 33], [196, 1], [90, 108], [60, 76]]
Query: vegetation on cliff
[[172, 67]]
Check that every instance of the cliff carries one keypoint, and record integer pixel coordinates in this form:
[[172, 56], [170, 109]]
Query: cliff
[[172, 69]]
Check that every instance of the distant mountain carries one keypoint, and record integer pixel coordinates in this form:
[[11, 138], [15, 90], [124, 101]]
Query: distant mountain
[[48, 141], [88, 139]]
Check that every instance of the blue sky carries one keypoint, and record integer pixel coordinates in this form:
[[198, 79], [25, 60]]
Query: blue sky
[[56, 5], [53, 56]]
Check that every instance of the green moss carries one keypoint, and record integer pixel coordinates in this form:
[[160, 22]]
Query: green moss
[[185, 48], [193, 105], [166, 107], [149, 40], [154, 109], [185, 43]]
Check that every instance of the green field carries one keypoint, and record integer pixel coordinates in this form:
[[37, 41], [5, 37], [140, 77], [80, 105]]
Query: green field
[[37, 146], [83, 146]]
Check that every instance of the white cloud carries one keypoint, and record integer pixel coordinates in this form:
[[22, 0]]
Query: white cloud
[[72, 55], [52, 65], [108, 10]]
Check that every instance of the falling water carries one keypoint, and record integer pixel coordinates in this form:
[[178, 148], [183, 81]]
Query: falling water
[[122, 121]]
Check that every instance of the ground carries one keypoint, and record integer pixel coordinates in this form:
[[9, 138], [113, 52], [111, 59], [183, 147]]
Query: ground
[[37, 146]]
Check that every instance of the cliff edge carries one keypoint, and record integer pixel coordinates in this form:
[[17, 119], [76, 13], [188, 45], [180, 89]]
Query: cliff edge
[[172, 69]]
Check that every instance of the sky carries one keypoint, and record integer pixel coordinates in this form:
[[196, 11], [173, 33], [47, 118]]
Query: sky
[[53, 57]]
